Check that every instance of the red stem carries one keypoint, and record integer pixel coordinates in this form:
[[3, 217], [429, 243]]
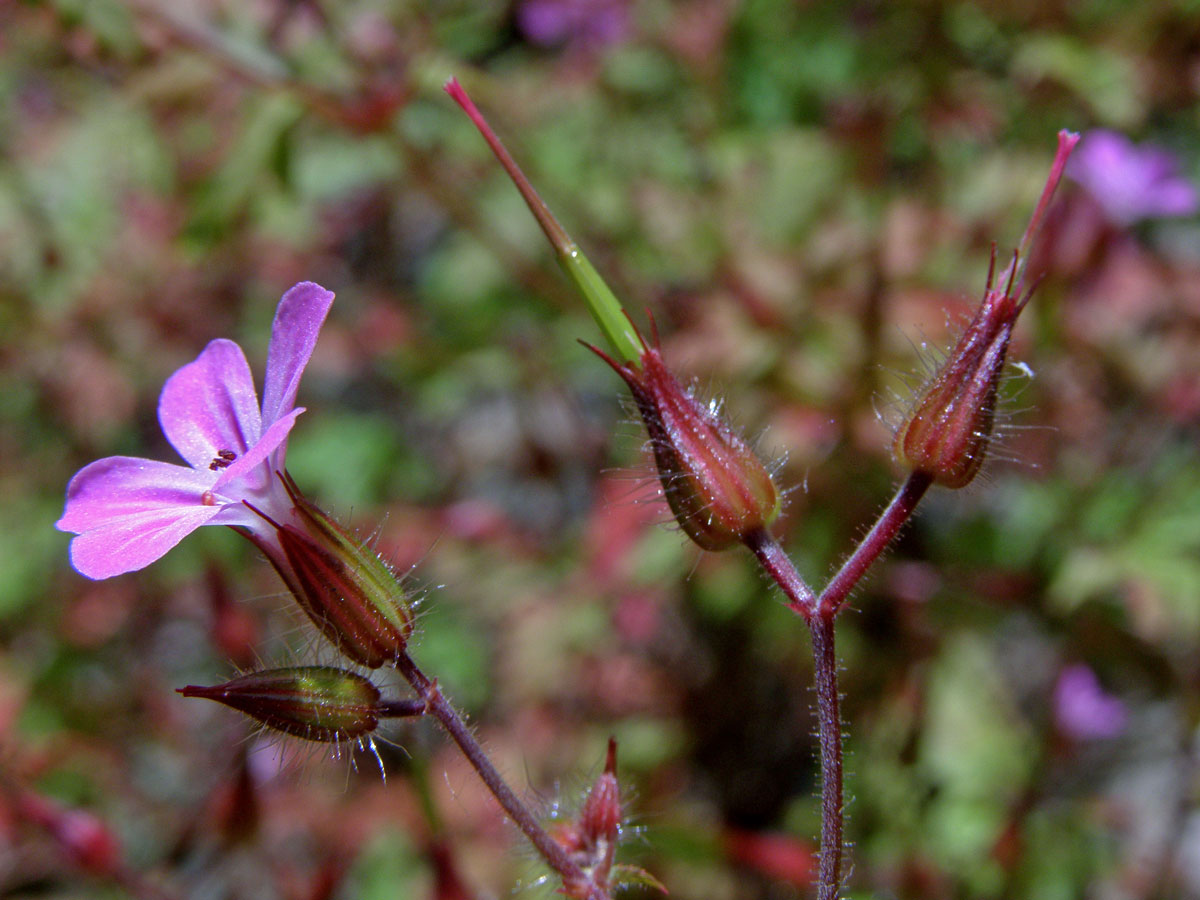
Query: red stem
[[829, 719], [440, 708], [400, 709], [557, 235], [766, 549], [820, 614], [833, 598]]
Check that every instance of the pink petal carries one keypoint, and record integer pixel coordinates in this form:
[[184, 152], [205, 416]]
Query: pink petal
[[128, 512], [119, 486], [210, 405], [1175, 197], [136, 541], [298, 321]]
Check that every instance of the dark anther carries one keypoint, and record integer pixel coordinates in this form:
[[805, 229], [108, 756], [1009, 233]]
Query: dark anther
[[222, 460]]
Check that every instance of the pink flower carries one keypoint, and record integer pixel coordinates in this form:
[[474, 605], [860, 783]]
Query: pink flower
[[587, 23], [1128, 181], [1083, 709], [127, 512]]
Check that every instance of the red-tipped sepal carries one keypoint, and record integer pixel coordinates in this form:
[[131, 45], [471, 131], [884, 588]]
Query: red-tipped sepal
[[715, 484], [317, 703]]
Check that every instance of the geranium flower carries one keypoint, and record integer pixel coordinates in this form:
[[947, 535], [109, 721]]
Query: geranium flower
[[127, 512], [1083, 709], [1131, 182], [587, 23]]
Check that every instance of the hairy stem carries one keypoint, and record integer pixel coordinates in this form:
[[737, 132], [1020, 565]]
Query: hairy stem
[[803, 601], [400, 709], [441, 709], [829, 719], [770, 555], [820, 614], [885, 529]]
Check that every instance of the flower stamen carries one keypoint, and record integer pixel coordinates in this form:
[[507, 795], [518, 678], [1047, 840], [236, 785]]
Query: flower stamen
[[223, 460]]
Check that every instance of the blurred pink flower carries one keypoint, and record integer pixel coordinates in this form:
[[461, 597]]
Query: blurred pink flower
[[590, 23], [127, 512], [1131, 182], [1083, 709]]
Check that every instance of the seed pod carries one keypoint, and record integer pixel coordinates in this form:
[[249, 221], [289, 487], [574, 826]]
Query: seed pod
[[343, 586], [317, 703], [947, 432], [717, 487]]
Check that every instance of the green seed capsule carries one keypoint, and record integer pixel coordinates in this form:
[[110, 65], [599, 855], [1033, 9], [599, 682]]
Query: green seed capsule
[[317, 703]]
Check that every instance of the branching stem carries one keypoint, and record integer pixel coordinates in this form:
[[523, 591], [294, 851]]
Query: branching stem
[[771, 556], [885, 529], [820, 613]]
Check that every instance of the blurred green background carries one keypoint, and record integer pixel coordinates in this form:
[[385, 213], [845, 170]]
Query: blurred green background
[[803, 194]]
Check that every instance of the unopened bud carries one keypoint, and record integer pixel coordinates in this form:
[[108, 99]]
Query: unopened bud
[[351, 594], [317, 703], [717, 487], [946, 434], [592, 838], [600, 819]]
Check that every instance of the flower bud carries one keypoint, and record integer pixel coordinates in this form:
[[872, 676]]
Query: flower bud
[[341, 584], [718, 489], [592, 838], [317, 703], [947, 432], [600, 819]]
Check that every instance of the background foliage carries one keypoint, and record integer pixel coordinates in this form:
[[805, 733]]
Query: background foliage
[[798, 192]]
